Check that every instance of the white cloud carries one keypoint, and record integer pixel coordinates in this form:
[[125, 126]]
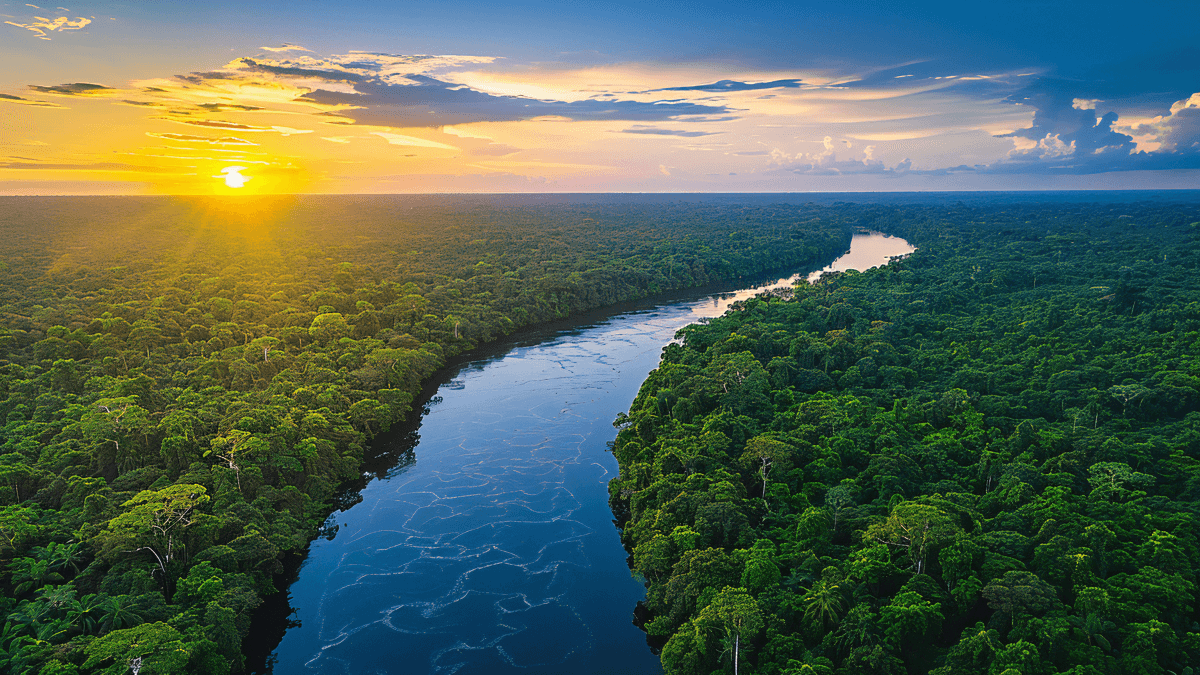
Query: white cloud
[[1179, 130], [400, 139], [286, 47]]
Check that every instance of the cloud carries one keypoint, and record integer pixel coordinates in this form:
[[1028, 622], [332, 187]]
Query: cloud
[[185, 138], [1059, 118], [1066, 136], [25, 164], [226, 107], [431, 102], [400, 139], [286, 47], [668, 132], [42, 27], [216, 124], [9, 98], [733, 85], [826, 163], [1177, 131], [74, 89], [289, 131], [406, 91]]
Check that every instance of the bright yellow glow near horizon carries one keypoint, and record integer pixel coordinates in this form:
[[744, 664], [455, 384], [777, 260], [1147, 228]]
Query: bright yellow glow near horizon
[[233, 176]]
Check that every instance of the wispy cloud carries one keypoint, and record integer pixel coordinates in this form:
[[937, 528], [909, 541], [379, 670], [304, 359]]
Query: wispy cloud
[[216, 124], [723, 86], [185, 138], [401, 139], [286, 47], [42, 26], [10, 98], [668, 132]]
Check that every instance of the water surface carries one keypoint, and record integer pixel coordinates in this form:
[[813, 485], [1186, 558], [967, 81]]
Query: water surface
[[492, 550]]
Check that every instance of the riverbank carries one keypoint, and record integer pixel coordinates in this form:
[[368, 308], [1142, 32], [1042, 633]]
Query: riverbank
[[558, 389]]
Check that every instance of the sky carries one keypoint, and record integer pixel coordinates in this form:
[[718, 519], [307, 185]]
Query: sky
[[171, 97]]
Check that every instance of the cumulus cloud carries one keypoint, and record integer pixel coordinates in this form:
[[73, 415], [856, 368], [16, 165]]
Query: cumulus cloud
[[1177, 131], [1061, 126], [42, 26], [1069, 135], [826, 162]]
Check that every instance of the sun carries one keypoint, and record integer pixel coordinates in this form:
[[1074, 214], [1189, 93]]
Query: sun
[[233, 176]]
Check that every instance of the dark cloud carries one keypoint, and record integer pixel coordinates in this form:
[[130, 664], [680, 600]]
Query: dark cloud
[[733, 85], [430, 102], [245, 65], [669, 132], [219, 107], [28, 101], [1057, 116], [73, 89], [204, 76]]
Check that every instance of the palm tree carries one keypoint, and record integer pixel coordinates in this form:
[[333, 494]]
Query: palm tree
[[118, 612], [63, 556], [824, 602], [86, 612], [11, 641], [30, 573]]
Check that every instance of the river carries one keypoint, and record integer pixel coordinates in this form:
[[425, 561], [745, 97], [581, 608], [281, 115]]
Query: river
[[491, 547]]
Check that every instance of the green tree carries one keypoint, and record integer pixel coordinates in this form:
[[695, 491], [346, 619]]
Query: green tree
[[735, 614], [151, 648], [916, 528], [763, 454], [152, 521]]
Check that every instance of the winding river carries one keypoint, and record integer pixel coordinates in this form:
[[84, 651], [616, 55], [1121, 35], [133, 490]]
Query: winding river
[[491, 548]]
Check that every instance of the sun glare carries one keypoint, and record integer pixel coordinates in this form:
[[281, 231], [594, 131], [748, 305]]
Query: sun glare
[[233, 176]]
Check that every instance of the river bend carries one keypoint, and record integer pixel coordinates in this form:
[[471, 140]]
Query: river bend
[[493, 551]]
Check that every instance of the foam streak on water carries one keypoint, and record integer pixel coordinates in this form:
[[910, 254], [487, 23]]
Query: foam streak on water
[[495, 552]]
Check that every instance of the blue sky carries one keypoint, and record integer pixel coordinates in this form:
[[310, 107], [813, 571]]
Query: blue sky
[[599, 96]]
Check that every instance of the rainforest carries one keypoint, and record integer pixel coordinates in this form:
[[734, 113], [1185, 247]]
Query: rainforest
[[981, 458]]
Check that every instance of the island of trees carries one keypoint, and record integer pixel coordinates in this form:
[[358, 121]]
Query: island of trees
[[187, 387], [982, 459]]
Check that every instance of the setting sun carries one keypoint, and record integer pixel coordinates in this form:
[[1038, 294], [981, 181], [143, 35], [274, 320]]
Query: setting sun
[[233, 176]]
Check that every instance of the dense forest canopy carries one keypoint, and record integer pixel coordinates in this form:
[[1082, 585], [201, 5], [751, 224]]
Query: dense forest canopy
[[185, 384], [984, 458]]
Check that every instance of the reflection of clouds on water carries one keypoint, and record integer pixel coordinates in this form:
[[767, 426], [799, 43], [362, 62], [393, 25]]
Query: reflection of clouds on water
[[494, 551]]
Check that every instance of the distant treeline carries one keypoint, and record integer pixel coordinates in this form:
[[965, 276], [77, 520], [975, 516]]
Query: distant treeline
[[184, 385], [984, 458]]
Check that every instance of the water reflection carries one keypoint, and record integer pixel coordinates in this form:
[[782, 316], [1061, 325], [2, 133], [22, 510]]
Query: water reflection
[[495, 552]]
